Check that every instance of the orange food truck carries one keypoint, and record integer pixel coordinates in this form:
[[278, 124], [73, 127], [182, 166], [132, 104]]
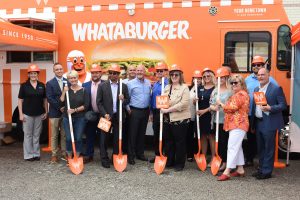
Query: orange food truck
[[192, 34]]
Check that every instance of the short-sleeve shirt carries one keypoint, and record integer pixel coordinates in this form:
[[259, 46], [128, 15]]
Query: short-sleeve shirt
[[33, 98]]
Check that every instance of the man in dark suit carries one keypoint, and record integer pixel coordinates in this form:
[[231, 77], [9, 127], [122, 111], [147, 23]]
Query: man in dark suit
[[92, 114], [108, 104], [53, 93], [267, 119]]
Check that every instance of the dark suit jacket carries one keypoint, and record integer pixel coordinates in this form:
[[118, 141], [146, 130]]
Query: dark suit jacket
[[88, 87], [276, 99], [105, 100], [53, 94]]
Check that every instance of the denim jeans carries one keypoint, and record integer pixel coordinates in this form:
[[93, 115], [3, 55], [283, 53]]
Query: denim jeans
[[78, 129]]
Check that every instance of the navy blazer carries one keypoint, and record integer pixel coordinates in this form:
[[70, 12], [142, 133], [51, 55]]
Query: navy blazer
[[105, 99], [53, 93], [276, 99]]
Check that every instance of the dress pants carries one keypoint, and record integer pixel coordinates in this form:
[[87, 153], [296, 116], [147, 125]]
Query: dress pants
[[191, 140], [104, 136], [235, 155], [91, 130], [57, 129], [137, 130], [155, 126], [176, 144], [223, 142], [250, 145], [266, 148], [32, 128]]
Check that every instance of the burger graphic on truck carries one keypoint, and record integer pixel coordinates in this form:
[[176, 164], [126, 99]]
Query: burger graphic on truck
[[127, 52]]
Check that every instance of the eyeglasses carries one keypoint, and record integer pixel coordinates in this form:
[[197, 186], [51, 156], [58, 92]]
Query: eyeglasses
[[234, 82], [257, 65], [207, 76], [174, 74], [159, 71], [113, 73]]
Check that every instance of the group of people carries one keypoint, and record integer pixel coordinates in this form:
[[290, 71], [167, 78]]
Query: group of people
[[238, 114]]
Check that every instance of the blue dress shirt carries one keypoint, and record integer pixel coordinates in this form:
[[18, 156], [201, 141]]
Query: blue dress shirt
[[139, 92]]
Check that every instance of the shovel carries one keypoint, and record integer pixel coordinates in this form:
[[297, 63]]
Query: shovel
[[75, 164], [199, 158], [120, 160], [161, 160], [216, 162]]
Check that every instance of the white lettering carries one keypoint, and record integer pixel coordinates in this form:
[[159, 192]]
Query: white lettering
[[141, 30]]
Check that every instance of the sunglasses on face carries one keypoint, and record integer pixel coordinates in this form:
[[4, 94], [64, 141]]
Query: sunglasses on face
[[159, 71], [207, 76], [113, 73], [257, 65], [234, 82], [174, 74]]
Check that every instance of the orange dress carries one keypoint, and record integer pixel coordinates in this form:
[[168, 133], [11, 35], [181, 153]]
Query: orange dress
[[236, 111]]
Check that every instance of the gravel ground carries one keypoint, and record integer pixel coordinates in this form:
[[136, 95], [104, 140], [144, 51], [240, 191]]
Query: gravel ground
[[21, 179]]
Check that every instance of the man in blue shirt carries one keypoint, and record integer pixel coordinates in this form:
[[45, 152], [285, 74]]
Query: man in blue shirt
[[252, 82], [139, 91], [160, 68]]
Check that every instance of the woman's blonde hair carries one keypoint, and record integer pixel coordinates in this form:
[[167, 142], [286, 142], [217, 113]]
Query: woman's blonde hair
[[72, 73], [213, 78], [238, 78]]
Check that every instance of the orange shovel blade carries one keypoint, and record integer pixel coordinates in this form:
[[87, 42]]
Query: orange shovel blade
[[159, 164], [215, 165], [201, 161], [120, 162], [76, 165]]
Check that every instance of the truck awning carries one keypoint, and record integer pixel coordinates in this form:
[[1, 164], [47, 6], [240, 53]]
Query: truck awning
[[18, 38]]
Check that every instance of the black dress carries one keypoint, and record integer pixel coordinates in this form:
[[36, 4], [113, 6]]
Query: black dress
[[205, 120]]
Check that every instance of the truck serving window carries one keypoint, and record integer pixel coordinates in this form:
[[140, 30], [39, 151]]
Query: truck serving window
[[284, 48], [27, 56], [240, 47]]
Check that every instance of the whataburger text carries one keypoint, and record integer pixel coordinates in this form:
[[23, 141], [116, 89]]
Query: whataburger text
[[141, 30]]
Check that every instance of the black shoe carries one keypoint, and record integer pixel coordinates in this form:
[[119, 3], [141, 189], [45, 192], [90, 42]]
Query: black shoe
[[152, 160], [106, 164], [37, 158], [256, 174], [190, 159], [263, 176], [131, 161], [169, 165], [142, 158], [178, 168], [29, 159]]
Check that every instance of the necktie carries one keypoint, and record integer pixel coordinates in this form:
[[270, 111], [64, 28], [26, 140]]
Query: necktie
[[60, 84]]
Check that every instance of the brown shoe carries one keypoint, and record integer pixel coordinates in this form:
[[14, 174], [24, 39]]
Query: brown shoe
[[54, 159]]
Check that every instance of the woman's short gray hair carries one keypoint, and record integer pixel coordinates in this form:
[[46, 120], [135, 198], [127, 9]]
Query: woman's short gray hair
[[72, 73]]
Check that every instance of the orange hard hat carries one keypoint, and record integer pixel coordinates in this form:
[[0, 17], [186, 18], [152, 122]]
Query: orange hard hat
[[197, 74], [161, 65], [175, 67], [258, 59], [114, 67], [95, 68], [33, 68], [207, 69], [223, 71]]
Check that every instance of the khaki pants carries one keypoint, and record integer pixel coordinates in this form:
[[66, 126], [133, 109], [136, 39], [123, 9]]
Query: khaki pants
[[56, 128], [32, 128]]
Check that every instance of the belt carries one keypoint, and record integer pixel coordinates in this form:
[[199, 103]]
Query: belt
[[132, 107]]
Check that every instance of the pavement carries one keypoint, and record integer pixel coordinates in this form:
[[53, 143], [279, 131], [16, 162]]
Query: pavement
[[21, 179]]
